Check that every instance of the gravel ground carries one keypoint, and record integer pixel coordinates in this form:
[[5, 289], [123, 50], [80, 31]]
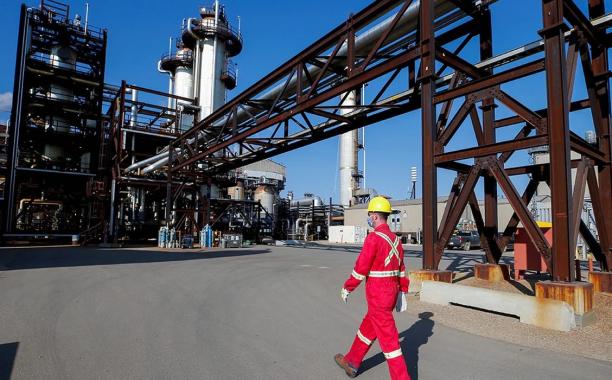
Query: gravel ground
[[593, 341]]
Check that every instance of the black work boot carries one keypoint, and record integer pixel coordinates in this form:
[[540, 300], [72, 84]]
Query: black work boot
[[341, 361]]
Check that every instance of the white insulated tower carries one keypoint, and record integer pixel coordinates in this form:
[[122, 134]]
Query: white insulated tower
[[200, 68], [348, 150], [213, 41]]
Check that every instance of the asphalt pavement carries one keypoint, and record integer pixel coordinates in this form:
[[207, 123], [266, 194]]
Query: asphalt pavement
[[258, 313]]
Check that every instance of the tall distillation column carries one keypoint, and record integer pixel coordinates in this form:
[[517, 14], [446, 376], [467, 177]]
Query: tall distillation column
[[213, 42], [348, 150], [179, 66]]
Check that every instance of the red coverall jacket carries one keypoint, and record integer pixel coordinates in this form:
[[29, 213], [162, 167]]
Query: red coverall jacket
[[375, 260], [381, 262]]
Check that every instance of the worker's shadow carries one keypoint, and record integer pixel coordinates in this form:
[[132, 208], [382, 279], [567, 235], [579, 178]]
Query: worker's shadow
[[411, 341]]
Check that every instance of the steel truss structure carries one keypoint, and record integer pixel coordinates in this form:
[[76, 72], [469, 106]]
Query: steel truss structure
[[427, 68], [138, 128]]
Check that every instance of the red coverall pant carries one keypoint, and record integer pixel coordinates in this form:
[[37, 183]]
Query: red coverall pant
[[381, 295]]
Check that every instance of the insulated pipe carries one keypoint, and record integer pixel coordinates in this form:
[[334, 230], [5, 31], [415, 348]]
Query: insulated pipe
[[407, 23], [146, 161], [134, 109], [170, 83], [348, 154]]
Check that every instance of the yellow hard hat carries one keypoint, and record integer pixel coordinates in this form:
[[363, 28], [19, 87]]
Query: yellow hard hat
[[379, 204]]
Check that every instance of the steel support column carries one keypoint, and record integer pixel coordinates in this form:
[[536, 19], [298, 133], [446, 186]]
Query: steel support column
[[603, 127], [559, 138], [489, 137], [429, 133]]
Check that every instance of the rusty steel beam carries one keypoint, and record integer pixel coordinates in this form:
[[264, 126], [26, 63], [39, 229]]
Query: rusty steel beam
[[428, 122], [558, 130], [492, 81], [578, 19], [603, 128], [594, 245], [578, 199], [601, 219], [452, 198], [448, 133], [513, 223], [520, 208], [456, 209], [512, 120], [486, 135], [514, 145]]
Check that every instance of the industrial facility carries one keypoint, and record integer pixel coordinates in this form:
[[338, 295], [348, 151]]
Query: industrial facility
[[87, 160], [155, 229], [116, 163]]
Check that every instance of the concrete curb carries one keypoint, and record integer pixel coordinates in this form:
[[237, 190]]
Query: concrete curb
[[546, 313]]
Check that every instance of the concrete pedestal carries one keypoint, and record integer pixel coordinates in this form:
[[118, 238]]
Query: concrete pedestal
[[492, 272], [579, 295], [602, 281]]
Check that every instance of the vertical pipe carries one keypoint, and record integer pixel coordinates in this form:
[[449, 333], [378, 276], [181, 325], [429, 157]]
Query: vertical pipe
[[558, 132], [168, 213], [134, 108], [329, 216], [86, 16], [213, 77], [111, 222], [363, 140], [428, 120]]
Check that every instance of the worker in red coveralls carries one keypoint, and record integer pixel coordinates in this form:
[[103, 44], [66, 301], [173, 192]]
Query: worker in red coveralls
[[381, 264]]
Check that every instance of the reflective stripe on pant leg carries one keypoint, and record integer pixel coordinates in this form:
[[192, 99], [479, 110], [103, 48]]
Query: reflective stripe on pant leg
[[393, 354], [386, 332], [360, 347], [363, 338]]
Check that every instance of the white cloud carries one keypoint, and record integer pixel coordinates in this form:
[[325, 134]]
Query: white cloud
[[6, 101]]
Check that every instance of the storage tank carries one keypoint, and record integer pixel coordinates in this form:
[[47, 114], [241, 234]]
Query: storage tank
[[266, 195]]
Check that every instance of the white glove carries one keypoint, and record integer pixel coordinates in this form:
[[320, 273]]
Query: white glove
[[401, 305], [344, 295]]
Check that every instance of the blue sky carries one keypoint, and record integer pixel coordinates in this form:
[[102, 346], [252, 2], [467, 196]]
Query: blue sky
[[274, 31]]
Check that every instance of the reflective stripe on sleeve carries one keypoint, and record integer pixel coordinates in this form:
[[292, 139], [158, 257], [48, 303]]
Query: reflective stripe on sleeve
[[402, 274], [393, 354], [363, 338], [387, 273], [358, 276]]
